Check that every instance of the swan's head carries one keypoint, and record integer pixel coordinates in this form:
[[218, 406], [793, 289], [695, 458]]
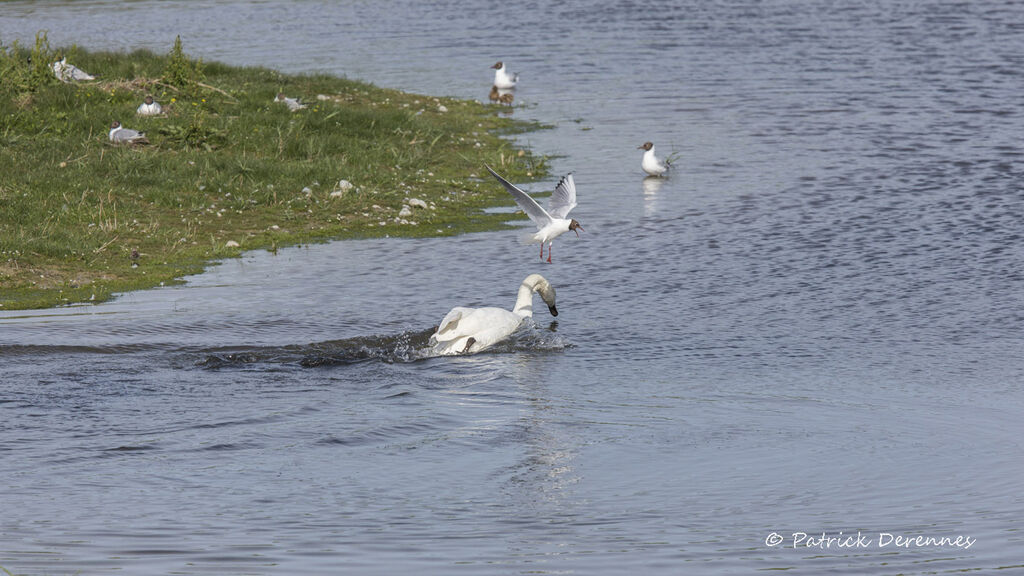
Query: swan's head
[[541, 286], [646, 146], [498, 66], [575, 227]]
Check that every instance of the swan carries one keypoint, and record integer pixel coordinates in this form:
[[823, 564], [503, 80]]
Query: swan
[[550, 225], [651, 163], [470, 330]]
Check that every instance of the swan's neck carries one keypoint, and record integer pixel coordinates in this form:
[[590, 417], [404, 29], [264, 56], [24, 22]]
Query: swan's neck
[[524, 301]]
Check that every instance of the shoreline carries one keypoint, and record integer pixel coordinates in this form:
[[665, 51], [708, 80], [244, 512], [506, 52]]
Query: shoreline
[[227, 170]]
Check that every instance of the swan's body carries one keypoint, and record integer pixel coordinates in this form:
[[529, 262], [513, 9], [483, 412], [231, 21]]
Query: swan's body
[[149, 107], [550, 225], [293, 104], [651, 163], [470, 330], [69, 73], [503, 79], [120, 135]]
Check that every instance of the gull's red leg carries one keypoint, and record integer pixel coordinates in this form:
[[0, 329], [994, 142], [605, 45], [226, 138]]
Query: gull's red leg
[[549, 252]]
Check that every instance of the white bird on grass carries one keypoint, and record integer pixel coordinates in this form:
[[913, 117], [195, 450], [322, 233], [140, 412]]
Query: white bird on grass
[[651, 163], [503, 79], [69, 73], [293, 103], [551, 224], [149, 107], [120, 135], [470, 330]]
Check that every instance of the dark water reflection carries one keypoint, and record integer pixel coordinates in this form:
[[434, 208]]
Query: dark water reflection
[[814, 325]]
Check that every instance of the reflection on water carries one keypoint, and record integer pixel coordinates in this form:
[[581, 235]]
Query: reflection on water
[[811, 325]]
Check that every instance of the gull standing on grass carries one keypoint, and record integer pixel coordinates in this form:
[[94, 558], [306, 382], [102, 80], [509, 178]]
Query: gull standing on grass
[[503, 79], [120, 135], [149, 107], [552, 224], [69, 73], [651, 163]]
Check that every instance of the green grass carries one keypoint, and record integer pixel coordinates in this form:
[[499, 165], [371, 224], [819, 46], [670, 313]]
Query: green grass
[[225, 164]]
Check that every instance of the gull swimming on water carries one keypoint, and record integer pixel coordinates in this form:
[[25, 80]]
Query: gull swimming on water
[[69, 73], [465, 330], [119, 135], [292, 103], [149, 107], [502, 79], [551, 224], [651, 163]]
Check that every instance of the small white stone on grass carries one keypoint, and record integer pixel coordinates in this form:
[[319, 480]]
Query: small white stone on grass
[[442, 108], [337, 194], [417, 203], [232, 244], [405, 212]]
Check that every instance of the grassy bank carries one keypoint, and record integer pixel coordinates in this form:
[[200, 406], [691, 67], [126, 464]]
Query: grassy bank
[[227, 169]]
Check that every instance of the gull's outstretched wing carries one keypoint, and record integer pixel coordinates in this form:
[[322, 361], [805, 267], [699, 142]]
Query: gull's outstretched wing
[[563, 199], [539, 216]]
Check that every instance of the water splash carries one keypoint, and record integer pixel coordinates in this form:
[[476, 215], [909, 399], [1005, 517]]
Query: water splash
[[409, 346]]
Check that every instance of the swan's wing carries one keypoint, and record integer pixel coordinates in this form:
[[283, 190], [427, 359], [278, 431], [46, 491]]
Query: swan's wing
[[563, 199], [539, 216], [449, 329]]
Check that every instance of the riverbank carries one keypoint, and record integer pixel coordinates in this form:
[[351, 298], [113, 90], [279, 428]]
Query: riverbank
[[227, 169]]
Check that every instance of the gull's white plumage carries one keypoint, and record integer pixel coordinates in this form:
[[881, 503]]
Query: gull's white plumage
[[550, 224], [68, 72], [650, 162], [502, 78], [467, 330], [293, 104], [149, 107], [121, 135]]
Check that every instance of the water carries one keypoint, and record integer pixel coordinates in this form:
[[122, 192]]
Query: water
[[814, 325]]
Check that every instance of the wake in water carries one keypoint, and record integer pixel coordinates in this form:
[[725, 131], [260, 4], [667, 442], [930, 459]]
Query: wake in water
[[409, 346]]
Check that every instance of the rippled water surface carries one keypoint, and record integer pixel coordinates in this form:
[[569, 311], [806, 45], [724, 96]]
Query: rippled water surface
[[813, 325]]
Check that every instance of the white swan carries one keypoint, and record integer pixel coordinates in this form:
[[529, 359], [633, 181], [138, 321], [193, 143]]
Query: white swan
[[470, 330], [651, 163]]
